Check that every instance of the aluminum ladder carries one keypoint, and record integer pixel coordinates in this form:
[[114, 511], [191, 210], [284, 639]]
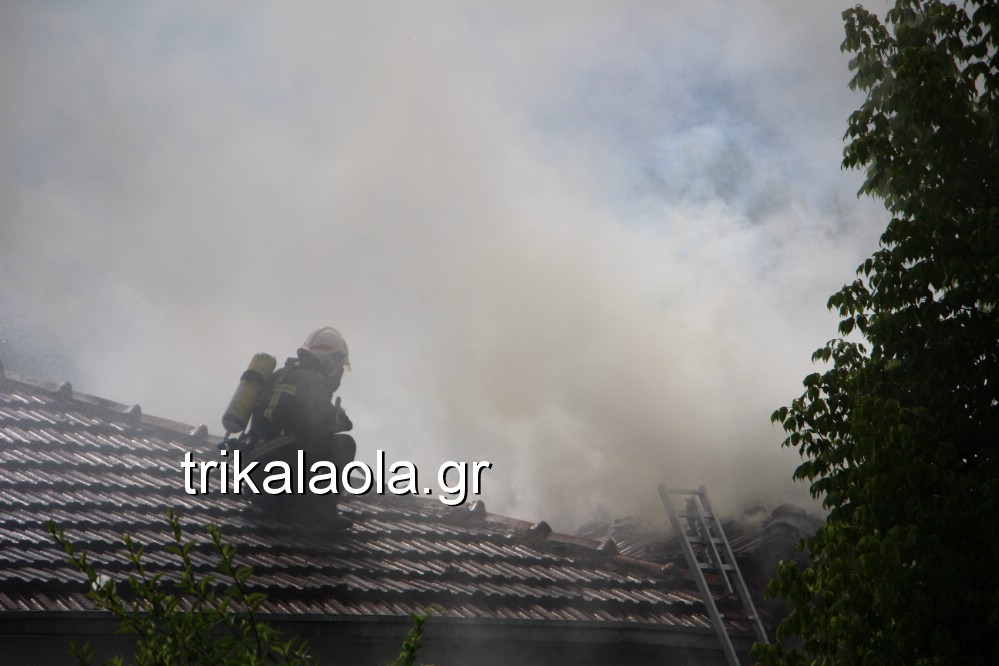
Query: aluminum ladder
[[706, 548]]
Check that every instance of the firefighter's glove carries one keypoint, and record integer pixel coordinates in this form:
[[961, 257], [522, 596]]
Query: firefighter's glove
[[341, 422]]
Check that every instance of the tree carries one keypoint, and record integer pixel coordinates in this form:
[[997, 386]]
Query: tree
[[899, 436], [190, 619]]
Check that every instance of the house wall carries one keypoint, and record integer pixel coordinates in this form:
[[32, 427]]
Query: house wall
[[45, 641]]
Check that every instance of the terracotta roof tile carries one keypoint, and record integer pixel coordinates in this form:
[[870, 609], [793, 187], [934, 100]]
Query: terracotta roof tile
[[100, 472]]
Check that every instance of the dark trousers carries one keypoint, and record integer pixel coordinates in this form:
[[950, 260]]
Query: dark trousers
[[338, 449]]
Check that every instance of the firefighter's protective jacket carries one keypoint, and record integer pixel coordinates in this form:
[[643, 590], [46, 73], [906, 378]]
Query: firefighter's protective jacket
[[295, 408]]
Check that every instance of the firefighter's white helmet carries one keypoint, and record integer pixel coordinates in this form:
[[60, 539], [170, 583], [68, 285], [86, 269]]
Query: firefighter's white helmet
[[329, 348]]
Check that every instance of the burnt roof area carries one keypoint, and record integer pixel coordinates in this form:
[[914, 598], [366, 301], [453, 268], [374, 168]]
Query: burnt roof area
[[508, 589]]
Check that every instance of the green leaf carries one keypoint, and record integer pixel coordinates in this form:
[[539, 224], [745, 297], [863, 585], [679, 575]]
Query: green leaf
[[898, 437]]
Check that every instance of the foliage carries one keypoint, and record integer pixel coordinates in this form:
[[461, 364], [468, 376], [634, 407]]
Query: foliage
[[188, 621], [899, 435], [414, 639], [191, 620]]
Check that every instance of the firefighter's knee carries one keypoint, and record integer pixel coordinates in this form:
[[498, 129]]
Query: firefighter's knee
[[343, 448]]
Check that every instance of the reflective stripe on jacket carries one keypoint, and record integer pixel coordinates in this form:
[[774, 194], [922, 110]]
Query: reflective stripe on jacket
[[295, 404]]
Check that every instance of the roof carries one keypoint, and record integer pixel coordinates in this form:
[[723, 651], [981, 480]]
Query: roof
[[101, 469], [748, 533]]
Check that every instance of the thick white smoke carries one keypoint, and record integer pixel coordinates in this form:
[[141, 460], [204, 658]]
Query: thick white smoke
[[591, 244]]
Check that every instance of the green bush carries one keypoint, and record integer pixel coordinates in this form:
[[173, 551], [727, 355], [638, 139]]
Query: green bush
[[197, 619]]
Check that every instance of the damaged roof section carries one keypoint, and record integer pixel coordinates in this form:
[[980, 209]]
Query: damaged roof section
[[100, 469]]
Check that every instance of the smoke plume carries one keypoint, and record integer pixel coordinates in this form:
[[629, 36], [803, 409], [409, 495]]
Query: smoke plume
[[588, 242]]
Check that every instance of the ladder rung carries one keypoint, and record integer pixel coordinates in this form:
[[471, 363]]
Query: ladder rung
[[691, 516], [682, 491], [709, 565], [704, 542]]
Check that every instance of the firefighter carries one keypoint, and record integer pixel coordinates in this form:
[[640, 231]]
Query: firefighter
[[295, 412]]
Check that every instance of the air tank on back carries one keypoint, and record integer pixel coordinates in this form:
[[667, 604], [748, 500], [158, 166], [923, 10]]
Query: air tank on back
[[251, 383]]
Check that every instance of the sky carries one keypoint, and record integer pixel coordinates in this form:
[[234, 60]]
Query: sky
[[590, 242]]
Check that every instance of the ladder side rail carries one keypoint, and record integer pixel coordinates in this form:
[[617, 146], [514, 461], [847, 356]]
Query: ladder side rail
[[702, 585], [706, 533], [740, 583]]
